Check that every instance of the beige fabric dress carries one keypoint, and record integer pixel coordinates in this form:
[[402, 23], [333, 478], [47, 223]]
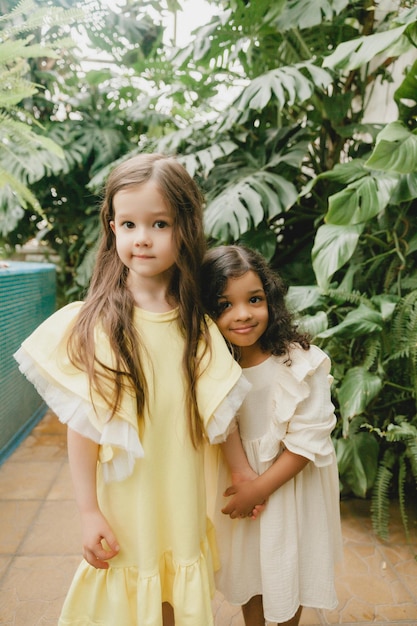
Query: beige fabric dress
[[287, 555]]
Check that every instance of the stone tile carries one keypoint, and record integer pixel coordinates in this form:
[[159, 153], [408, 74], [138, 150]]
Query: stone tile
[[225, 613], [40, 548], [310, 617], [354, 560], [46, 442], [370, 589], [4, 564], [49, 448], [8, 605], [34, 589], [354, 610], [397, 554], [50, 425], [62, 489], [56, 531], [16, 517], [407, 573], [395, 613], [28, 480], [400, 593], [44, 577]]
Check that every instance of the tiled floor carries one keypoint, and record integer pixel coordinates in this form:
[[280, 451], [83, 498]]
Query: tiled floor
[[40, 548]]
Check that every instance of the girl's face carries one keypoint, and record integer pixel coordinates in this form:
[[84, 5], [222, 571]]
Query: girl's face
[[144, 226], [244, 315]]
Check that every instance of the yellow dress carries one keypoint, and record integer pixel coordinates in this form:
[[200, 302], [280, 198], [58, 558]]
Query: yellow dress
[[150, 478]]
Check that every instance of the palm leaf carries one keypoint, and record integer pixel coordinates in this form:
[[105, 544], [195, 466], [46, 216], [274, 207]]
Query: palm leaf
[[306, 14], [204, 160], [395, 150], [246, 202], [333, 246], [287, 85], [359, 387], [355, 53], [14, 198]]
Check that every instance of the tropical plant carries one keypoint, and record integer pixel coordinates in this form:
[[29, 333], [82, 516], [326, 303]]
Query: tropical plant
[[22, 140], [399, 458], [292, 167], [93, 116], [268, 107]]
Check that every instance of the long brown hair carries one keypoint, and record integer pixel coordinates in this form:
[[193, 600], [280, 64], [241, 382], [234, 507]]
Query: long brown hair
[[110, 303], [226, 262]]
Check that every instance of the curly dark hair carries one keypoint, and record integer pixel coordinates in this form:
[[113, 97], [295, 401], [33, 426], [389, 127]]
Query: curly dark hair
[[224, 262]]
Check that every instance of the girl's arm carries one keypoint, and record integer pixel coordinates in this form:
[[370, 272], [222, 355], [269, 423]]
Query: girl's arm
[[247, 495], [239, 468], [83, 455], [236, 458], [308, 430]]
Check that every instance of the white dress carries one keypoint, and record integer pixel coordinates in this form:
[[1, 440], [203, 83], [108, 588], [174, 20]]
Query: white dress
[[287, 555]]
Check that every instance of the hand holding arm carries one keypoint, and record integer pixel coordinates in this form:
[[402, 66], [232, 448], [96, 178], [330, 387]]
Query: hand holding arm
[[241, 471], [236, 458], [83, 454], [246, 495]]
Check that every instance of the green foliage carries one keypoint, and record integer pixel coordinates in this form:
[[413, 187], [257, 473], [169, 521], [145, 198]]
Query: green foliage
[[23, 147], [268, 107], [401, 456], [299, 114], [374, 353], [84, 120], [357, 461]]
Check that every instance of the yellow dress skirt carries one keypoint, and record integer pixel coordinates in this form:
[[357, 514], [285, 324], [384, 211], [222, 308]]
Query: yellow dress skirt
[[150, 478]]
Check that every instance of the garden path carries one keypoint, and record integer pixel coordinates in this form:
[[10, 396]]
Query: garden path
[[40, 548]]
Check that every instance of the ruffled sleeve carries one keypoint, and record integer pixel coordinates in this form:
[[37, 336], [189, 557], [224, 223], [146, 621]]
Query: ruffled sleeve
[[43, 359], [302, 412], [221, 388]]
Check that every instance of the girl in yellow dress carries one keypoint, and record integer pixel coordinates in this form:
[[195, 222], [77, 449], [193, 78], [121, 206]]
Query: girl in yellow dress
[[142, 378], [284, 559]]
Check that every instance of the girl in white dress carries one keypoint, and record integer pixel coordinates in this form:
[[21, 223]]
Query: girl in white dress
[[276, 561]]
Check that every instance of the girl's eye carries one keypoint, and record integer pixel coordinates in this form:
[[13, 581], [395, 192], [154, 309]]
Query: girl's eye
[[255, 299], [128, 225], [160, 224], [222, 306]]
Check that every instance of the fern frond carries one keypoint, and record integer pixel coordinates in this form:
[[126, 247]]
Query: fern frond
[[380, 495], [372, 350], [353, 297], [27, 16], [402, 479], [404, 321], [402, 353], [401, 431], [411, 452]]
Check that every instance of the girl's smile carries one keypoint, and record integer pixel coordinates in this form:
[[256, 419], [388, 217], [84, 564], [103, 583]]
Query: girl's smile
[[244, 316]]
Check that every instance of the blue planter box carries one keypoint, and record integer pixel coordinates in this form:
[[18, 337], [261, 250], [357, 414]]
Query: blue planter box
[[27, 298]]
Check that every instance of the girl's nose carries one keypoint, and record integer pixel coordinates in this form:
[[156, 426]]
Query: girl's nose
[[142, 237], [243, 312]]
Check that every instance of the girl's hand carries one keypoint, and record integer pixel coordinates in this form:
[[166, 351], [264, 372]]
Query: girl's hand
[[99, 542], [257, 510], [242, 476], [239, 477], [246, 500]]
